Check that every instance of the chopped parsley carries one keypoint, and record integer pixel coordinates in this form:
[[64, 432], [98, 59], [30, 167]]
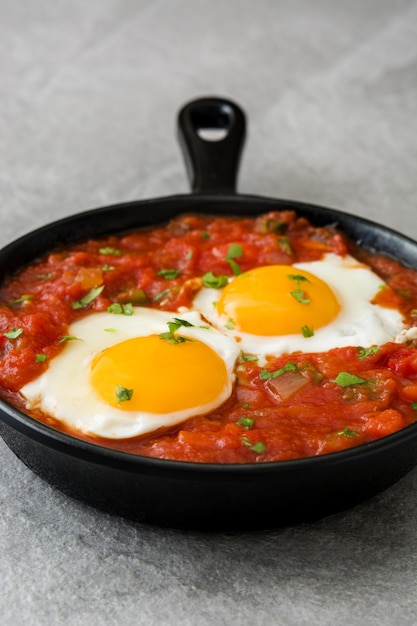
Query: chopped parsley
[[109, 250], [414, 406], [214, 282], [307, 331], [89, 297], [161, 295], [177, 323], [271, 226], [249, 357], [230, 325], [347, 432], [123, 394], [120, 309], [266, 374], [364, 352], [69, 338], [246, 422], [258, 447], [205, 235], [107, 268], [170, 336], [298, 293], [14, 333], [21, 300], [345, 379], [169, 274], [40, 358], [235, 251]]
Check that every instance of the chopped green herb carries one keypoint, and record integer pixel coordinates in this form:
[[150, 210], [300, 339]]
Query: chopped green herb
[[89, 297], [234, 252], [40, 358], [298, 293], [108, 268], [230, 325], [14, 333], [364, 352], [110, 330], [246, 405], [249, 357], [169, 274], [161, 295], [169, 337], [246, 422], [235, 267], [414, 405], [25, 298], [177, 323], [273, 226], [300, 296], [123, 394], [298, 277], [344, 379], [258, 447], [69, 338], [307, 331], [186, 323], [266, 374], [205, 235], [189, 255], [120, 309], [109, 250], [214, 282], [347, 432]]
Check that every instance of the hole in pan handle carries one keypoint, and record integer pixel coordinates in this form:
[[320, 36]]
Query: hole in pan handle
[[211, 133]]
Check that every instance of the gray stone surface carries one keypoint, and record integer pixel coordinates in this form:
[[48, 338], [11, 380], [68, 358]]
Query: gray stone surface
[[89, 93]]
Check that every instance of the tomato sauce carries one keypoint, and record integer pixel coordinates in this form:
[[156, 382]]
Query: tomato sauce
[[322, 402]]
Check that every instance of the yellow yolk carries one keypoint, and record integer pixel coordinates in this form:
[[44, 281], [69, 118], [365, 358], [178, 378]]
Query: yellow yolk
[[150, 374], [277, 300]]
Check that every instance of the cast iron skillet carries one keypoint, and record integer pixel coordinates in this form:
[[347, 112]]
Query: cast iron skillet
[[192, 495]]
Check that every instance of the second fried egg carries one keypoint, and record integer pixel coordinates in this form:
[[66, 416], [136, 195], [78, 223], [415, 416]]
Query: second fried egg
[[310, 307]]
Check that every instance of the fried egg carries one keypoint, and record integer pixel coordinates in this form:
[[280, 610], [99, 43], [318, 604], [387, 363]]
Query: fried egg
[[310, 307], [121, 376]]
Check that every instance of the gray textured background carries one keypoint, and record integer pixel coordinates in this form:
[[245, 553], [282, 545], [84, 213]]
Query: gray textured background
[[89, 93]]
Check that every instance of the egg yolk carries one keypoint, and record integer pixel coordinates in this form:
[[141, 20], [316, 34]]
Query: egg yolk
[[149, 374], [277, 300]]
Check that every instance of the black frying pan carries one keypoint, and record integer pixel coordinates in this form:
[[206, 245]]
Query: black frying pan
[[194, 495]]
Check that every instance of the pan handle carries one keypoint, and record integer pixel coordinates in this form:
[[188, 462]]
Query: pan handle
[[211, 133]]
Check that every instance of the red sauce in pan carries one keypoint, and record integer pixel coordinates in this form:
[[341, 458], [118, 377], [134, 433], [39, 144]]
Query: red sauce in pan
[[256, 424]]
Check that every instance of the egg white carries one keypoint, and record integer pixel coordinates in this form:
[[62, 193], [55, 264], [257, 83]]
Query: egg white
[[64, 391], [359, 323]]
